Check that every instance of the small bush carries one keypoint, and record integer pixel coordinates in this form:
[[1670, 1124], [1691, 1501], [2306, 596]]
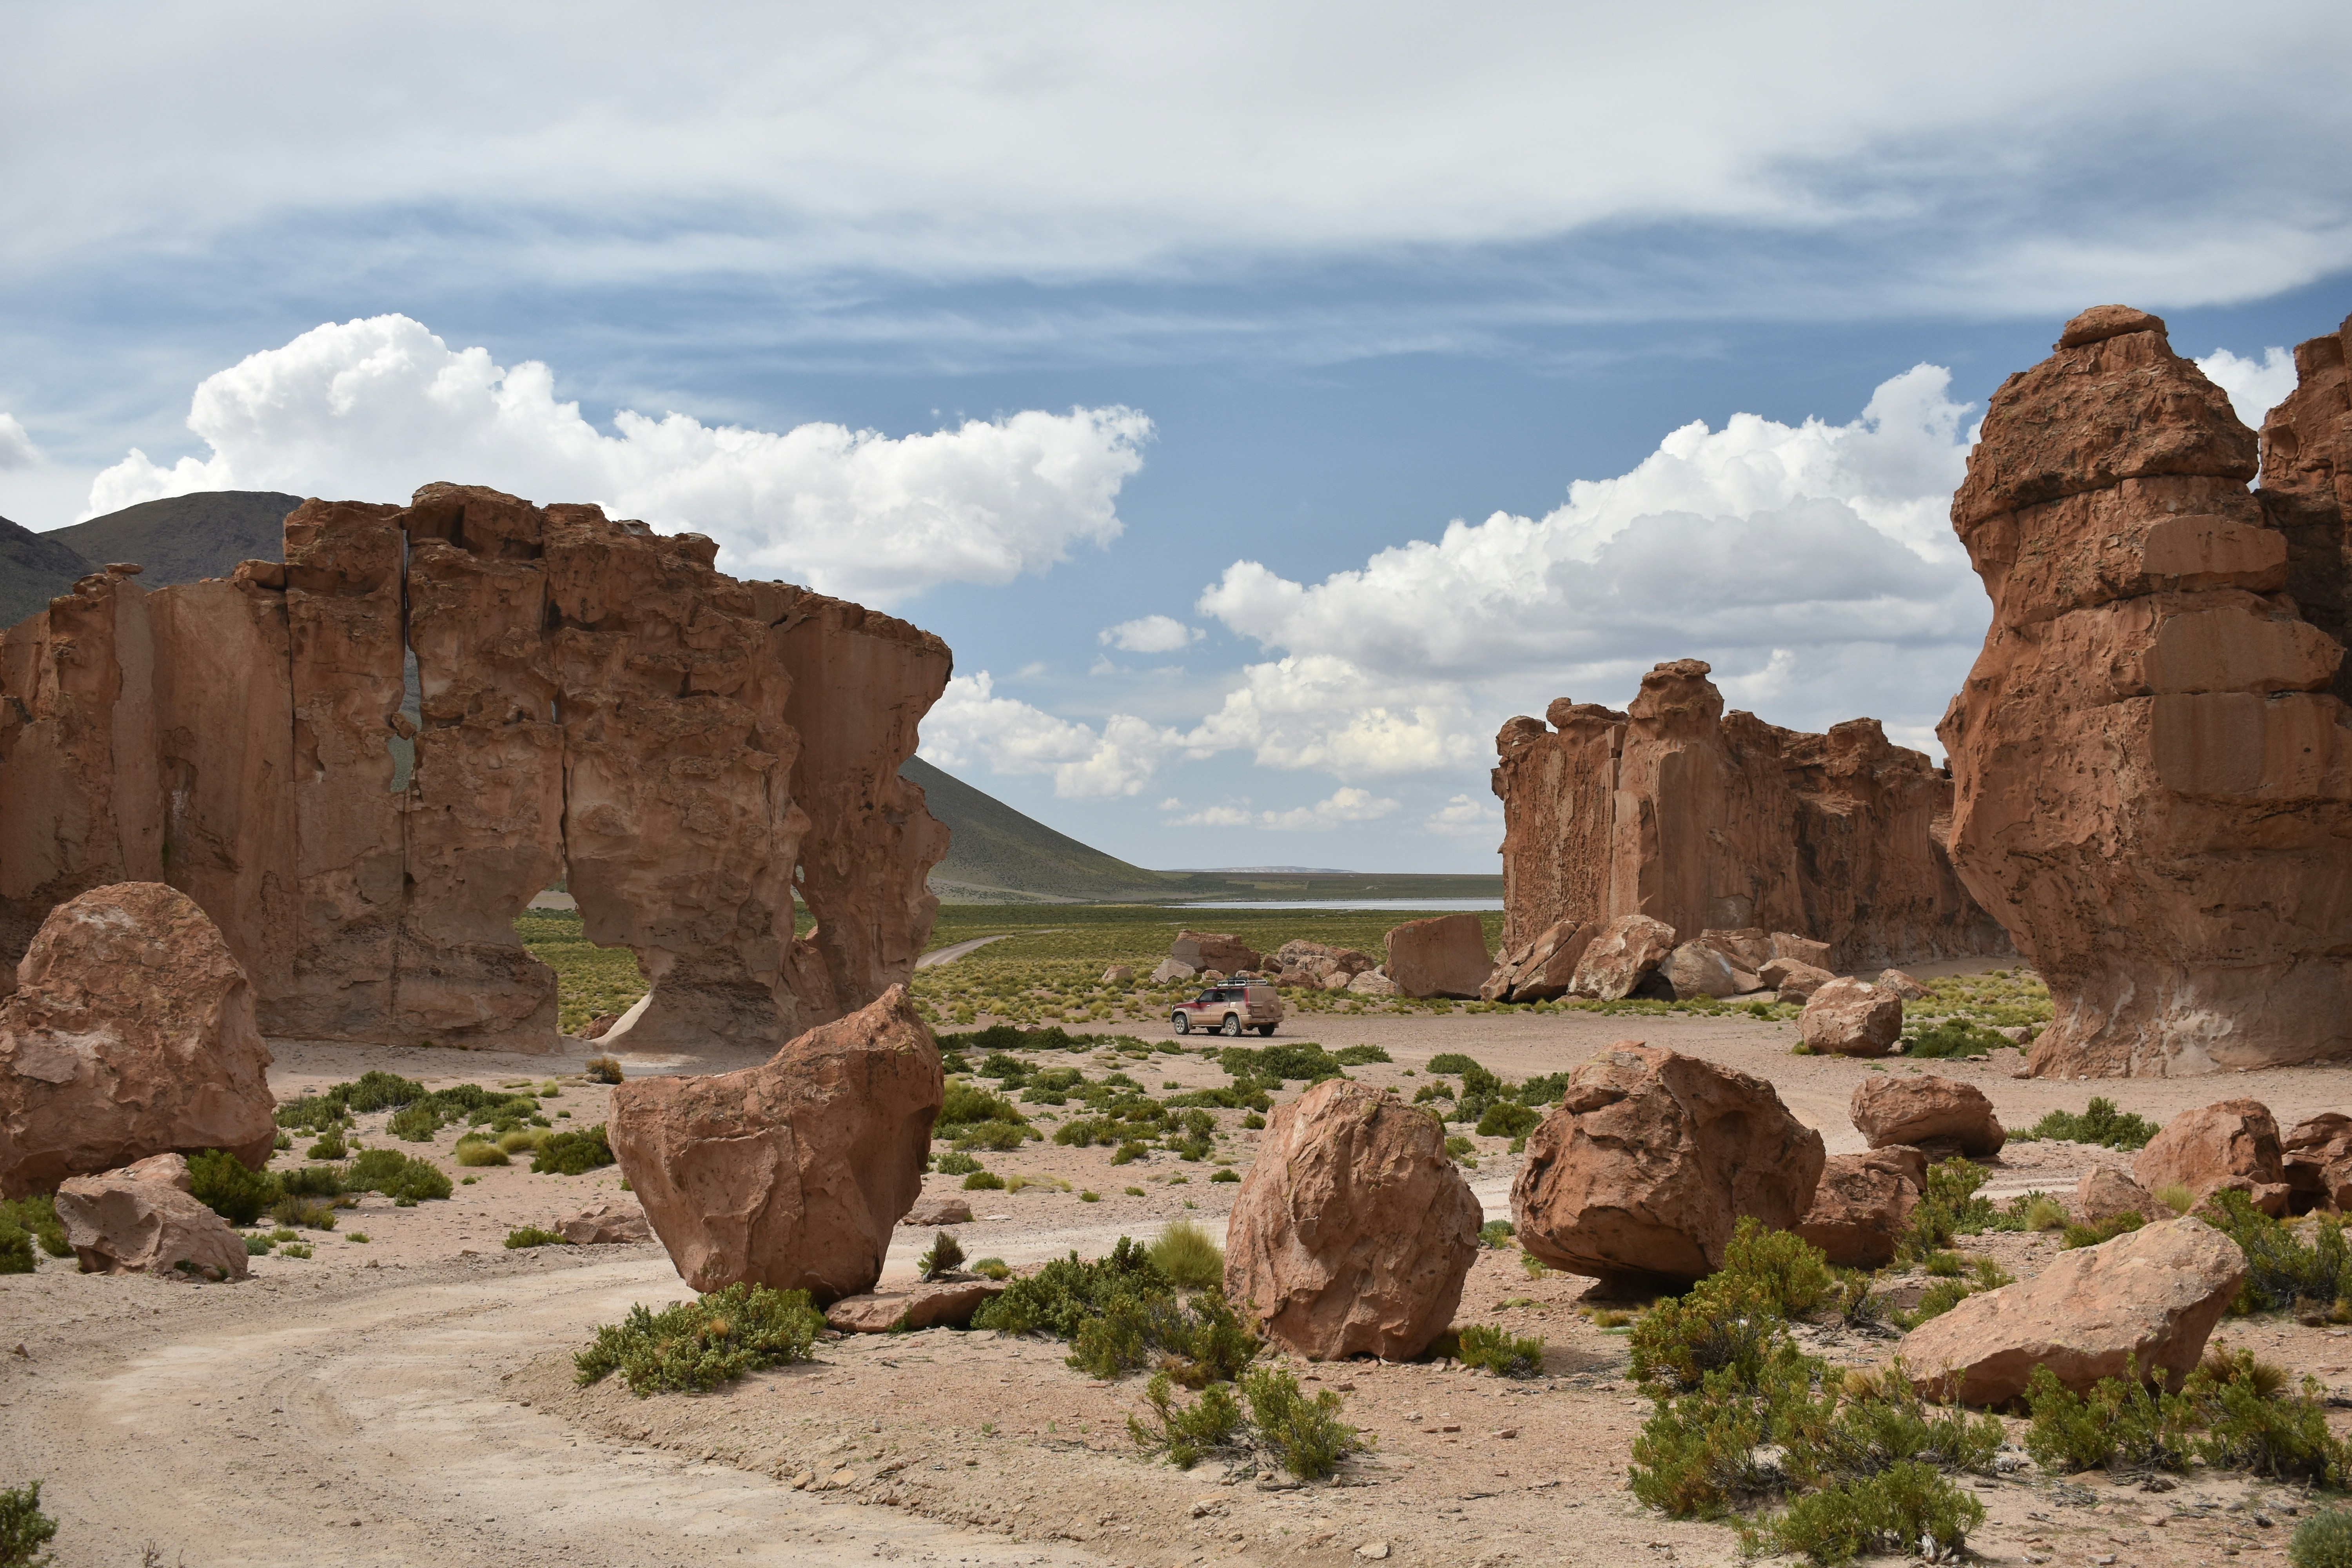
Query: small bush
[[1948, 1294], [1508, 1119], [1189, 1257], [1492, 1349], [1949, 1208], [481, 1153], [945, 1253], [954, 1163], [1462, 1150], [1905, 1507], [999, 1136], [1286, 1063], [220, 1181], [967, 1104], [1226, 1176], [24, 1529], [312, 1181], [1954, 1039], [16, 1247], [1306, 1434], [35, 1220], [992, 1268], [533, 1236], [403, 1178], [330, 1147], [1359, 1055], [983, 1181], [1453, 1062], [309, 1214], [698, 1345], [414, 1123], [1211, 1424], [1496, 1233], [1792, 1275], [604, 1070], [572, 1153], [256, 1245], [1089, 1197], [2101, 1123], [2322, 1541], [1253, 1122], [2106, 1229], [294, 1249]]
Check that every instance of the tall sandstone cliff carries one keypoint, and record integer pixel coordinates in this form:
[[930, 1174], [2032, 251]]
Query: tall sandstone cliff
[[1676, 810], [594, 701], [2154, 768]]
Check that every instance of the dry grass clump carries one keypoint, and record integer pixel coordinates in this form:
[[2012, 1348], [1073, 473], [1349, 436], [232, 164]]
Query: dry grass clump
[[1189, 1256], [603, 1069], [480, 1151]]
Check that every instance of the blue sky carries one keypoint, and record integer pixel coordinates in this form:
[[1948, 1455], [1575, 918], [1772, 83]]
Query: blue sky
[[1264, 401]]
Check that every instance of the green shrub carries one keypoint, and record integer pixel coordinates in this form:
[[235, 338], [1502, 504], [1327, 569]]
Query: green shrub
[[1197, 1341], [967, 1103], [1492, 1349], [414, 1123], [481, 1153], [1953, 1038], [24, 1529], [1544, 1090], [1060, 1298], [992, 1268], [1286, 1063], [2118, 1422], [1128, 1154], [36, 1218], [1793, 1275], [1453, 1062], [1496, 1233], [2101, 1123], [1507, 1119], [1462, 1150], [330, 1147], [1211, 1424], [983, 1181], [1226, 1176], [2322, 1541], [1081, 1130], [1944, 1295], [603, 1069], [2233, 1412], [2282, 1269], [1904, 1508], [533, 1236], [1360, 1056], [403, 1178], [310, 1214], [294, 1249], [1189, 1257], [698, 1345], [2106, 1229], [569, 1154], [311, 1181], [16, 1247], [2285, 1436], [999, 1136], [1306, 1434], [256, 1245], [1253, 1122], [1947, 1208], [953, 1163], [220, 1181], [945, 1253]]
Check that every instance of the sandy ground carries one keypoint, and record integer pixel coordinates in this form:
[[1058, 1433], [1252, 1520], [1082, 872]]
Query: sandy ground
[[410, 1396]]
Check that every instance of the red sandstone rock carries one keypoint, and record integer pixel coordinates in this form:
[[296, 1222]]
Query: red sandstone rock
[[1206, 949], [120, 1224], [2318, 1159], [1940, 1116], [1621, 955], [1169, 972], [1851, 1018], [1543, 969], [1352, 1233], [1795, 982], [2233, 1143], [1903, 985], [2107, 1191], [130, 1034], [1805, 950], [935, 1303], [1651, 1159], [1709, 966], [607, 1222], [2140, 1305], [793, 1173], [1701, 819], [1862, 1205], [1444, 955], [2153, 779]]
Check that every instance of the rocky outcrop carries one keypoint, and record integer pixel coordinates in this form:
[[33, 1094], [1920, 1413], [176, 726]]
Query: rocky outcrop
[[2108, 1192], [364, 763], [2319, 1161], [1206, 949], [2231, 1144], [131, 1033], [1313, 964], [1353, 1231], [1701, 819], [1543, 969], [2140, 1306], [1652, 1157], [2154, 777], [140, 1222], [1850, 1018], [793, 1173], [1444, 955], [1940, 1116], [1622, 958], [1862, 1205], [929, 1212]]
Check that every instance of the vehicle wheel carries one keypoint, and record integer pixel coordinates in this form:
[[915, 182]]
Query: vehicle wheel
[[1266, 1029], [1233, 1025], [1183, 1022]]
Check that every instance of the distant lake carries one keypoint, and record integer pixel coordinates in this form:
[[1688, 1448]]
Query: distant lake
[[1475, 904]]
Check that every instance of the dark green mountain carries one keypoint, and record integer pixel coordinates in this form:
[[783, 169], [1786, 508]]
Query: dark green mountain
[[183, 538], [34, 569]]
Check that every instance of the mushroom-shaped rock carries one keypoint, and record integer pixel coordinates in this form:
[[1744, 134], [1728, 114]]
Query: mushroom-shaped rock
[[1352, 1233], [129, 1221], [1940, 1115], [2135, 1307], [793, 1173], [1849, 1017], [131, 1033], [1863, 1204], [2231, 1144], [1625, 952], [1444, 955], [1651, 1159], [2107, 1191]]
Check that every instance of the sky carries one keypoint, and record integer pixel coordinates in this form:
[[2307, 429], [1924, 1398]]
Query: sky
[[1264, 402]]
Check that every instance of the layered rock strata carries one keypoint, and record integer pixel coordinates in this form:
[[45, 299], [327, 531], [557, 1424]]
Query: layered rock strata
[[363, 764], [2153, 766], [1700, 819]]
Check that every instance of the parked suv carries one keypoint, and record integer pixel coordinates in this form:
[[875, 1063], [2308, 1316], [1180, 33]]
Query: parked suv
[[1231, 1008]]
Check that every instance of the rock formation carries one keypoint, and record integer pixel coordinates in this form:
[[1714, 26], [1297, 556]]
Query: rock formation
[[934, 1303], [2140, 1306], [1543, 969], [2154, 772], [793, 1173], [142, 1220], [130, 1034], [2105, 1192], [1850, 1018], [1311, 964], [1444, 955], [698, 756], [1623, 955], [605, 1222], [1207, 950], [1701, 819], [1938, 1116], [2231, 1144], [1862, 1205], [2318, 1159], [1352, 1233], [1651, 1159]]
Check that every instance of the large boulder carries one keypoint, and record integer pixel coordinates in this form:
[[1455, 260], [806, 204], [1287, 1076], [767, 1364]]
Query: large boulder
[[2230, 1143], [1851, 1017], [2139, 1306], [2318, 1158], [1623, 954], [1444, 955], [1353, 1231], [1171, 972], [793, 1173], [1206, 949], [1863, 1204], [1372, 982], [1939, 1115], [1543, 969], [1903, 985], [138, 1221], [131, 1033], [1652, 1157], [1794, 981], [1711, 964], [2109, 1191]]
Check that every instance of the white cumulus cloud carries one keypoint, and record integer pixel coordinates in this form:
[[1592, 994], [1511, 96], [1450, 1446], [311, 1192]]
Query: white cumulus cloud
[[1344, 804], [1466, 816], [372, 408], [971, 724], [1152, 634], [2255, 385], [17, 448]]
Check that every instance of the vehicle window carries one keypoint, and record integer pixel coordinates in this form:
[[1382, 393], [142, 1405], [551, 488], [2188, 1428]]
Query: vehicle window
[[1206, 997]]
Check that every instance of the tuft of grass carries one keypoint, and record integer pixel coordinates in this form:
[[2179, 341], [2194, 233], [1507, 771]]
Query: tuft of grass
[[307, 1214], [1189, 1257], [1950, 1039], [696, 1345], [23, 1527], [294, 1249], [480, 1151], [2177, 1196], [944, 1254], [983, 1181], [992, 1268], [2106, 1229], [603, 1069], [1492, 1349], [533, 1236]]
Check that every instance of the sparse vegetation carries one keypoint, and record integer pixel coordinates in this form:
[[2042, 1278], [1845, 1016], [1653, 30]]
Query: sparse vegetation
[[696, 1345], [604, 1070], [573, 1153], [1121, 1313], [1496, 1233], [1496, 1350], [533, 1236], [306, 1214], [2234, 1411], [944, 1254], [2099, 1124], [403, 1178], [955, 1164], [992, 1268], [591, 981], [1952, 1039], [2106, 1229], [2282, 1271], [1189, 1257], [480, 1151], [983, 1181], [23, 1527]]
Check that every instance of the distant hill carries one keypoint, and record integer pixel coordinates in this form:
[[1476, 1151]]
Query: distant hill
[[34, 569], [183, 538], [998, 855]]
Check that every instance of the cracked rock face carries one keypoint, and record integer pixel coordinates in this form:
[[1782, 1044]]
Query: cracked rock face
[[2153, 770], [365, 763]]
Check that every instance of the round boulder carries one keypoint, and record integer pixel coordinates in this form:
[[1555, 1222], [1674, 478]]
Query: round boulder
[[1941, 1115], [2231, 1144], [1848, 1017], [1863, 1204], [1353, 1231]]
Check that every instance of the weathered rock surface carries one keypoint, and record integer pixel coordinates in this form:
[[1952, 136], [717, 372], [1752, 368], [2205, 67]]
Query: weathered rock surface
[[1650, 1161], [1311, 964], [929, 1212], [2141, 1305], [366, 760], [607, 1222], [1623, 955], [131, 1033], [2154, 774], [793, 1173], [1444, 955], [2230, 1143], [1862, 1205], [1205, 949], [125, 1223], [1372, 982], [1851, 1017], [1792, 981], [1941, 1116], [1714, 963], [936, 1303], [1353, 1231], [1118, 974], [1171, 971], [1543, 969], [2318, 1159], [2107, 1191], [1903, 985], [1701, 819]]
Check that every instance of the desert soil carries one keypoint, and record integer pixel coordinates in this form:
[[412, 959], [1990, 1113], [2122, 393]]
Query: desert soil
[[408, 1399]]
